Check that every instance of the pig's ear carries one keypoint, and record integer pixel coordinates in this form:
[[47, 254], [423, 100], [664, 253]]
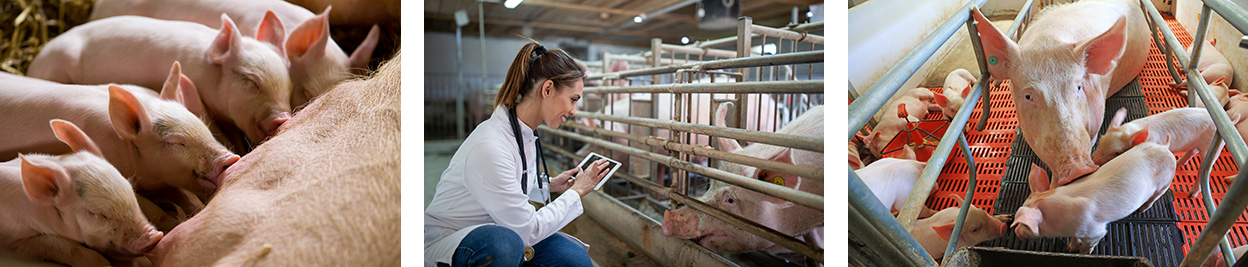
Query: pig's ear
[[1139, 137], [273, 32], [908, 153], [721, 115], [1102, 51], [179, 88], [966, 91], [225, 42], [310, 38], [944, 230], [128, 116], [43, 180], [1221, 80], [1038, 179], [1119, 116], [1233, 92], [69, 134], [1213, 41], [999, 50], [167, 90], [364, 53]]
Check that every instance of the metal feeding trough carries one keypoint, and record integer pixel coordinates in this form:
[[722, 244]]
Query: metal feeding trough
[[983, 257]]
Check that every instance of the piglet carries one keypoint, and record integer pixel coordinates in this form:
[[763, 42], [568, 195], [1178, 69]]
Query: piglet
[[1082, 210], [957, 86], [916, 103], [1212, 65], [892, 179], [1215, 259], [933, 233], [1220, 90], [71, 209], [243, 82], [1237, 106]]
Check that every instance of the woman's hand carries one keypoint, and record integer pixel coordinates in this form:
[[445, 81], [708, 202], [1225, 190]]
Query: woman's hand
[[586, 181], [564, 180]]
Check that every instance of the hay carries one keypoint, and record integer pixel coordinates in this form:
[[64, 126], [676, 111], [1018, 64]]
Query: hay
[[27, 25]]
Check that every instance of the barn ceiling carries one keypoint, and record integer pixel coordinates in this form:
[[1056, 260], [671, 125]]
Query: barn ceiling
[[604, 21]]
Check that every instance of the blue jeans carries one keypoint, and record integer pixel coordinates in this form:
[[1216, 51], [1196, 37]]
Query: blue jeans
[[493, 245]]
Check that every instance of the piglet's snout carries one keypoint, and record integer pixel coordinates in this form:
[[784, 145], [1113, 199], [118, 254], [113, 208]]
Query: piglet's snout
[[270, 127], [219, 165], [149, 238]]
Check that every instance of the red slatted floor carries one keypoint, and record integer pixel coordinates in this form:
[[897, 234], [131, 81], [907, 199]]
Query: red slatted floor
[[991, 147]]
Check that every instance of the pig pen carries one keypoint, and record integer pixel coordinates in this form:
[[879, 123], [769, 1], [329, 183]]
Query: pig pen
[[657, 116], [989, 166]]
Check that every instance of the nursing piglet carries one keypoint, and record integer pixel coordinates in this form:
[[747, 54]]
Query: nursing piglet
[[918, 102], [243, 82], [957, 86], [72, 209], [1070, 59], [317, 63], [154, 139], [1082, 210], [933, 233]]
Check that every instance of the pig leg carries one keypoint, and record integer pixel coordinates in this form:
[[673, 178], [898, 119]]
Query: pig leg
[[1187, 156], [926, 212], [1084, 245], [1152, 199], [59, 249]]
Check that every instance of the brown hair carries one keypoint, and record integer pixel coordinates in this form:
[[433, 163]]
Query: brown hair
[[531, 67]]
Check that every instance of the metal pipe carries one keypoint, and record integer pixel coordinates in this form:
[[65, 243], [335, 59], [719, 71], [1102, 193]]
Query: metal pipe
[[646, 235], [795, 196], [877, 231], [966, 199], [1013, 33], [744, 28], [1231, 12], [729, 218], [785, 140], [1206, 165], [801, 171], [883, 89], [986, 108], [808, 27], [927, 179], [697, 51], [787, 34], [805, 57], [776, 87]]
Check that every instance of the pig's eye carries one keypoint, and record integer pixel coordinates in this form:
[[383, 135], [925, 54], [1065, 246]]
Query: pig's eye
[[1080, 88], [1027, 96], [730, 201]]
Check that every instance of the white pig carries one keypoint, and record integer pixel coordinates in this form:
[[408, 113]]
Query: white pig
[[918, 102], [892, 179], [933, 233], [1237, 106], [1213, 65], [154, 139], [1068, 61], [316, 61], [1219, 89], [72, 209], [957, 86], [242, 81], [1082, 210], [1191, 129], [1215, 259]]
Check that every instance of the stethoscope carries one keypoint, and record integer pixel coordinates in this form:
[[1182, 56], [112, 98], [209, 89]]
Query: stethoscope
[[544, 177]]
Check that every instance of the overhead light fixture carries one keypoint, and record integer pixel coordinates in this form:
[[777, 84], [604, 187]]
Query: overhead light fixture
[[639, 18], [810, 14], [511, 4], [684, 40]]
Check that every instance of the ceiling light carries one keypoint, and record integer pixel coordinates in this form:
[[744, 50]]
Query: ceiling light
[[511, 4], [684, 40], [639, 18], [810, 14]]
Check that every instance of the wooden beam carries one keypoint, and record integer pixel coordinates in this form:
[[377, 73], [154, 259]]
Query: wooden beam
[[554, 26], [555, 4]]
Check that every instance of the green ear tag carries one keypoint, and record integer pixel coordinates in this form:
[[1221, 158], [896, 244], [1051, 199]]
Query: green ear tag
[[778, 181], [992, 60]]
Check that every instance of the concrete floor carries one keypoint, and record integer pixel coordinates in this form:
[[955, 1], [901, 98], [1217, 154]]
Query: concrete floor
[[437, 157]]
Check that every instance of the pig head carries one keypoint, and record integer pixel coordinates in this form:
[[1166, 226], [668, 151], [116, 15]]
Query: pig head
[[1061, 71]]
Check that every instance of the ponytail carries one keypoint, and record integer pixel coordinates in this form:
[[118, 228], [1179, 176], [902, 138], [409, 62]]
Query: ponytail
[[535, 64]]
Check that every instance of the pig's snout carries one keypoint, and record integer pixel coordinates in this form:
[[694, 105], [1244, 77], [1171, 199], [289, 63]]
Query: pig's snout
[[271, 126], [219, 166], [147, 241]]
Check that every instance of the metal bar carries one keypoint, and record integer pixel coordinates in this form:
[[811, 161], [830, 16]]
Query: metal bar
[[802, 171], [729, 218], [787, 34], [1013, 32], [697, 51], [966, 199], [646, 235], [1231, 12], [883, 89], [927, 179], [880, 233], [986, 108], [1206, 165], [744, 28], [781, 59], [776, 87], [795, 196], [808, 27], [793, 141]]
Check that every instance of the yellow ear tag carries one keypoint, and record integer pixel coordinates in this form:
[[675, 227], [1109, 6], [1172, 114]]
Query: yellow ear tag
[[778, 181]]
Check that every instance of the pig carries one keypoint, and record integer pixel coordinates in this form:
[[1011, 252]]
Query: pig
[[242, 82], [957, 86], [933, 233], [1237, 106], [1082, 210], [1219, 89], [1213, 65], [855, 161], [1215, 259], [918, 102], [282, 204], [154, 139], [957, 53], [1068, 61], [1191, 128], [892, 179], [316, 61], [783, 216], [73, 209]]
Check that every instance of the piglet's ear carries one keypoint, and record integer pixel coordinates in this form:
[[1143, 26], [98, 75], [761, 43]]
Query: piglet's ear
[[225, 41], [310, 38], [944, 231], [1139, 137], [69, 134], [127, 114], [1038, 179], [43, 180], [362, 54], [272, 31]]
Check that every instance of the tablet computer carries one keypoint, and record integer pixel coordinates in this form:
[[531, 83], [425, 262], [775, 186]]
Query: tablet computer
[[612, 165]]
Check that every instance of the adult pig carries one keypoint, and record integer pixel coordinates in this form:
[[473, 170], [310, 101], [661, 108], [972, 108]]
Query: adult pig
[[242, 81], [783, 216], [154, 139], [1068, 61], [324, 191], [316, 61], [1082, 210], [72, 209], [933, 233]]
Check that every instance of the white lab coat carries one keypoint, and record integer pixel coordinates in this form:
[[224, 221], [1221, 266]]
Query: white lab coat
[[482, 187]]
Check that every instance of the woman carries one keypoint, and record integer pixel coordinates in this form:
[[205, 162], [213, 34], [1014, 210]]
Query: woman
[[479, 214]]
